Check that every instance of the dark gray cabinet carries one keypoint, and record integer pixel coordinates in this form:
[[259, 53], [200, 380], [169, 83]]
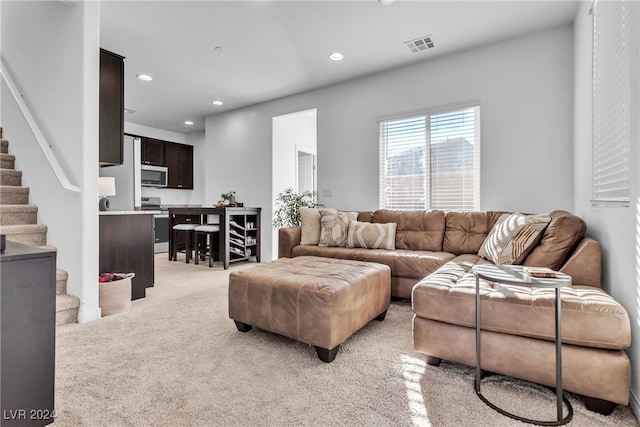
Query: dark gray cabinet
[[111, 116], [28, 321]]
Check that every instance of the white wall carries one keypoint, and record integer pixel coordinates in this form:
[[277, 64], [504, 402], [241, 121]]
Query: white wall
[[289, 131], [525, 87], [618, 229], [1, 82], [198, 141], [151, 132], [171, 196], [51, 50]]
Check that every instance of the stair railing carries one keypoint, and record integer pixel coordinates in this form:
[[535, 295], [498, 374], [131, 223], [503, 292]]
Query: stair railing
[[37, 133]]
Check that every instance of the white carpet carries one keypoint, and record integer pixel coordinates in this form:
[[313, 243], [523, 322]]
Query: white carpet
[[176, 359]]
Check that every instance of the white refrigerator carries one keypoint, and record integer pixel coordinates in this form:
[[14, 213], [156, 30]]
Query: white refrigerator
[[127, 177]]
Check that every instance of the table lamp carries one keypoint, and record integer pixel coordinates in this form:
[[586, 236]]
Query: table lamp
[[106, 187]]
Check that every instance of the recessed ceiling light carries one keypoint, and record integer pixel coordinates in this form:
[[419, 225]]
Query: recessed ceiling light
[[188, 123], [216, 102], [336, 56], [145, 77]]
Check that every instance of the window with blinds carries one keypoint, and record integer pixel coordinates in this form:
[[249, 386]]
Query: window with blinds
[[431, 161], [611, 106]]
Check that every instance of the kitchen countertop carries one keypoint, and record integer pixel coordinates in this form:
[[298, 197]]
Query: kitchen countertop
[[180, 206], [131, 212]]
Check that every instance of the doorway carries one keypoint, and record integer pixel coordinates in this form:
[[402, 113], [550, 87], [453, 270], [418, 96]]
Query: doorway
[[294, 149], [305, 170]]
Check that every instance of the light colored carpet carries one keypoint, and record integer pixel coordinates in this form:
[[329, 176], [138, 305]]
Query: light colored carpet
[[176, 359]]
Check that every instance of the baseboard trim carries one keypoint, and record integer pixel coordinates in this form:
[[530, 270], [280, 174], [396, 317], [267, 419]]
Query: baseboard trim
[[88, 316], [634, 403]]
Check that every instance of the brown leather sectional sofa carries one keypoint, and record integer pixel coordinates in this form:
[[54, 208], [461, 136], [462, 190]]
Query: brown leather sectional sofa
[[432, 263]]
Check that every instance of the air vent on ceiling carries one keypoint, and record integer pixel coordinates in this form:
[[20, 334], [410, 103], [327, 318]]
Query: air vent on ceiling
[[420, 44]]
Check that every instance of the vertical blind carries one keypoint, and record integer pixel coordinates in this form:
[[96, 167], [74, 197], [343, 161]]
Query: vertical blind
[[611, 106], [431, 161]]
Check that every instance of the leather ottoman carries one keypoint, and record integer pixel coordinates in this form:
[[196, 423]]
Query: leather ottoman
[[314, 300]]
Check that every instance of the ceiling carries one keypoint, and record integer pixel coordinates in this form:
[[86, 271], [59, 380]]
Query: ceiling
[[247, 52]]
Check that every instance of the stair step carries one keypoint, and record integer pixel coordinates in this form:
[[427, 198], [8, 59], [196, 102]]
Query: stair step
[[61, 282], [18, 214], [66, 309], [7, 161], [28, 234], [10, 195], [18, 221], [10, 177]]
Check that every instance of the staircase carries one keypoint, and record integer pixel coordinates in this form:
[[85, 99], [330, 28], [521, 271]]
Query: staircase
[[19, 222]]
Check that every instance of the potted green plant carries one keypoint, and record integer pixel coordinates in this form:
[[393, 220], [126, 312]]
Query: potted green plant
[[228, 199], [288, 204]]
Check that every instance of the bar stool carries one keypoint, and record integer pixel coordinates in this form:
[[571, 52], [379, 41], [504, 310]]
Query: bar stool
[[210, 234], [187, 229]]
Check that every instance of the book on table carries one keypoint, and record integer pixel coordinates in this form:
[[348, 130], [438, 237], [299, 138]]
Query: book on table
[[541, 272]]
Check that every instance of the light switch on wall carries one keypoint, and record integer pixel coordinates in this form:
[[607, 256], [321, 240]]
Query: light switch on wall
[[327, 192]]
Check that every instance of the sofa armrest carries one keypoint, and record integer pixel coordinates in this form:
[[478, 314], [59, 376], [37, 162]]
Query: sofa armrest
[[288, 238], [585, 263]]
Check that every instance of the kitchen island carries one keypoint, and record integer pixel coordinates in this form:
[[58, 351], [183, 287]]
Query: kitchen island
[[239, 236], [126, 246]]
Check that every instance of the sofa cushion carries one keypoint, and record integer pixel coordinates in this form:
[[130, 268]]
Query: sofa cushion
[[513, 237], [416, 230], [334, 226], [466, 231], [371, 236], [563, 233], [365, 216], [590, 317], [403, 263]]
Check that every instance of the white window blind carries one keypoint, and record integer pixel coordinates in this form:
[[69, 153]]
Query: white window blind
[[611, 90], [431, 161]]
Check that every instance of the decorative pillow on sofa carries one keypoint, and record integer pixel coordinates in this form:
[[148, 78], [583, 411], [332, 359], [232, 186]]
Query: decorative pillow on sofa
[[562, 234], [310, 221], [334, 227], [371, 235], [513, 237]]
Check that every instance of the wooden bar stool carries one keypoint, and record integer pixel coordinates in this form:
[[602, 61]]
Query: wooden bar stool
[[187, 229], [210, 234]]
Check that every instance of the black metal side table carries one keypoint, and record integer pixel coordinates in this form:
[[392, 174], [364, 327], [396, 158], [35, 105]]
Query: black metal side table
[[517, 276]]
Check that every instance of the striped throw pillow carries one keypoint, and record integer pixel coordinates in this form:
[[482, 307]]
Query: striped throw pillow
[[371, 235], [513, 237]]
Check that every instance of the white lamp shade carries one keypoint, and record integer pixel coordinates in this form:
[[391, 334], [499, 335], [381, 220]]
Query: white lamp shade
[[106, 186]]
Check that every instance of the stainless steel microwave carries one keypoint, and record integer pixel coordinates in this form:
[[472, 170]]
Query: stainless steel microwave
[[153, 176]]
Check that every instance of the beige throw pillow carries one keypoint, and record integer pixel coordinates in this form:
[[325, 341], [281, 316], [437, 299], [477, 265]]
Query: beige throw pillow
[[371, 235], [334, 227], [310, 221], [513, 237]]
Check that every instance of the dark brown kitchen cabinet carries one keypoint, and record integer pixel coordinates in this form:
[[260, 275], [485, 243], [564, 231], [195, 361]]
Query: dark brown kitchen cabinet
[[111, 104], [153, 151], [180, 164], [126, 246]]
